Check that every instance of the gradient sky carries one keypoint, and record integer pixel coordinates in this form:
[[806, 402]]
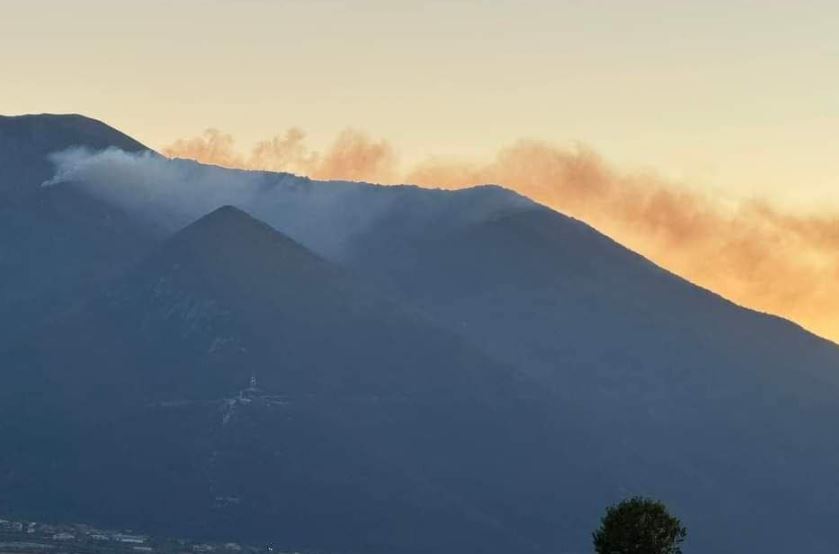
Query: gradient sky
[[735, 96]]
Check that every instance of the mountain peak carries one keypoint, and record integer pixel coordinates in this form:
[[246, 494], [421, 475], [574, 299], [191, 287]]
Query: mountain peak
[[237, 251], [229, 230], [47, 133], [26, 142], [230, 215]]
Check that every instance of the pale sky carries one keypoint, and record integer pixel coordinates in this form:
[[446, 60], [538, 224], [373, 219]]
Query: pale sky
[[736, 96]]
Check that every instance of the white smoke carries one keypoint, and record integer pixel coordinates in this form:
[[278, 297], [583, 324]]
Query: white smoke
[[325, 216]]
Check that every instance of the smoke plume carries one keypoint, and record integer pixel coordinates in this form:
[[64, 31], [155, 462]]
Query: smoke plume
[[749, 251], [353, 156], [170, 194]]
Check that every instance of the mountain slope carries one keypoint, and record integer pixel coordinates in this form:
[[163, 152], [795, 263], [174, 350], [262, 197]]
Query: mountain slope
[[27, 141], [715, 408], [56, 244], [365, 418]]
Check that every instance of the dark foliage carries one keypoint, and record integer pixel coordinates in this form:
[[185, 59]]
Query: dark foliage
[[639, 526]]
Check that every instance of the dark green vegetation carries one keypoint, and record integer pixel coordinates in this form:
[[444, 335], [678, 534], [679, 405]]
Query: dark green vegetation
[[639, 526], [436, 371]]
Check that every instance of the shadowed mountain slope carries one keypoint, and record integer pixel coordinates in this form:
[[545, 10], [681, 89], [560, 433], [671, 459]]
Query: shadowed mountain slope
[[368, 430], [716, 408], [56, 244]]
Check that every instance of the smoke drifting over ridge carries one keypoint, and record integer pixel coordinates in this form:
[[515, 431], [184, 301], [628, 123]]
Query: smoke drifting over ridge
[[170, 194], [751, 252]]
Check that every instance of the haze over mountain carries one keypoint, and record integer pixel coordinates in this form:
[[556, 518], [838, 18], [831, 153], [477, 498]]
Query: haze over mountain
[[762, 254], [449, 371]]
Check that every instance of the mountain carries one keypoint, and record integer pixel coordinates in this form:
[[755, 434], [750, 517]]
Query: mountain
[[354, 436], [512, 372], [27, 141], [723, 411], [56, 244]]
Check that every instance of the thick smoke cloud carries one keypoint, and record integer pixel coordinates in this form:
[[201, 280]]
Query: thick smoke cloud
[[750, 252]]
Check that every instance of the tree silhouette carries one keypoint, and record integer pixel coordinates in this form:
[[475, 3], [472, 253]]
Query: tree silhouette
[[639, 526]]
